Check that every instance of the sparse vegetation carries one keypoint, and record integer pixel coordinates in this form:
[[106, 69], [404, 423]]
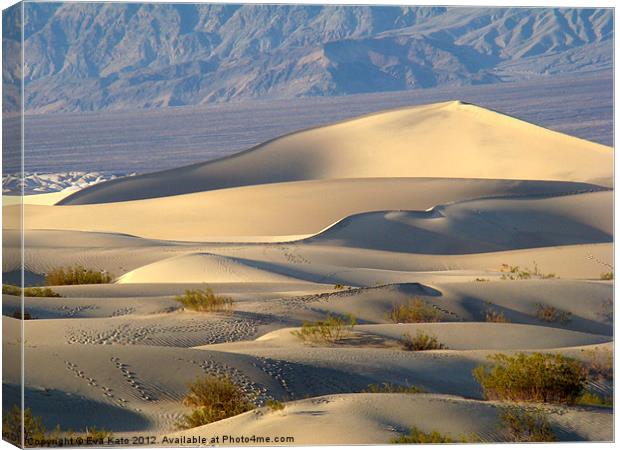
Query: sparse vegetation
[[33, 428], [551, 314], [338, 287], [607, 276], [9, 289], [492, 315], [26, 316], [35, 434], [482, 280], [525, 273], [420, 342], [213, 399], [274, 405], [600, 365], [415, 311], [62, 276], [526, 425], [205, 300], [417, 436], [592, 399], [539, 377], [330, 330], [389, 388]]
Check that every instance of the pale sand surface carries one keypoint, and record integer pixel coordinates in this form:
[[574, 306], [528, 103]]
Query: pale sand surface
[[335, 220]]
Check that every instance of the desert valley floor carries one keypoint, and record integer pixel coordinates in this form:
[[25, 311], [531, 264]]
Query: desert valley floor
[[435, 202]]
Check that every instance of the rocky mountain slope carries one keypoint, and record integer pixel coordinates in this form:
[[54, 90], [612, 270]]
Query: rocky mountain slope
[[91, 56]]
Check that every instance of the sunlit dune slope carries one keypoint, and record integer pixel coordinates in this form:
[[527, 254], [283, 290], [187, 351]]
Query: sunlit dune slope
[[451, 140]]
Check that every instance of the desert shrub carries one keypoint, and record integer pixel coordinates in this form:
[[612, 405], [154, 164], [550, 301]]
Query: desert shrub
[[607, 276], [205, 300], [417, 436], [61, 276], [9, 289], [338, 287], [213, 399], [420, 342], [492, 315], [592, 399], [538, 377], [330, 330], [482, 280], [12, 426], [415, 311], [274, 405], [526, 425], [26, 316], [29, 291], [525, 273], [600, 365], [389, 388], [551, 314]]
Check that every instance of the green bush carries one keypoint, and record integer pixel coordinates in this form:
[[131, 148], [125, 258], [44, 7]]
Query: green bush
[[62, 276], [213, 399], [417, 436], [415, 311], [12, 426], [607, 276], [522, 425], [274, 405], [205, 300], [518, 273], [330, 330], [420, 342], [389, 388], [538, 377], [9, 289], [551, 314], [592, 399]]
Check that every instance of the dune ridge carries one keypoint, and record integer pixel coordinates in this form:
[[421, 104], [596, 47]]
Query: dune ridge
[[380, 145]]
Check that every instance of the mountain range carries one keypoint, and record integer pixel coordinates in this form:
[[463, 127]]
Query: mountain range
[[111, 56]]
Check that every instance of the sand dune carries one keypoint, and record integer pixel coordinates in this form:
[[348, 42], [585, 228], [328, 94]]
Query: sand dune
[[479, 226], [376, 418], [422, 141], [200, 267], [433, 202], [264, 213]]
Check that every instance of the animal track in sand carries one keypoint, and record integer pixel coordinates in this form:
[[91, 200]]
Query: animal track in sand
[[75, 310], [184, 333], [77, 372], [142, 391]]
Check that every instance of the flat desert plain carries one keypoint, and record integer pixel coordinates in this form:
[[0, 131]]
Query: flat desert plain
[[500, 228]]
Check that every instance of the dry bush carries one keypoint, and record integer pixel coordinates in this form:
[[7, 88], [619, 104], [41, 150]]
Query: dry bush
[[61, 276], [275, 405], [518, 273], [551, 314], [607, 276], [26, 316], [482, 280], [526, 425], [539, 377], [9, 289], [592, 399], [12, 426], [600, 364], [389, 388], [330, 330], [213, 399], [420, 342], [492, 315], [205, 300], [415, 311]]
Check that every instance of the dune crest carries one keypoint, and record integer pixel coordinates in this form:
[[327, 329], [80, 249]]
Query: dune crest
[[451, 139]]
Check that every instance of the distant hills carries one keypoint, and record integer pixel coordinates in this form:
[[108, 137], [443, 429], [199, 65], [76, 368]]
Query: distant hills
[[91, 56]]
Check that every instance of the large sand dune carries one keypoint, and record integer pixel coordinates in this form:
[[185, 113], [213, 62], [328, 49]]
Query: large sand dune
[[424, 141], [437, 203]]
